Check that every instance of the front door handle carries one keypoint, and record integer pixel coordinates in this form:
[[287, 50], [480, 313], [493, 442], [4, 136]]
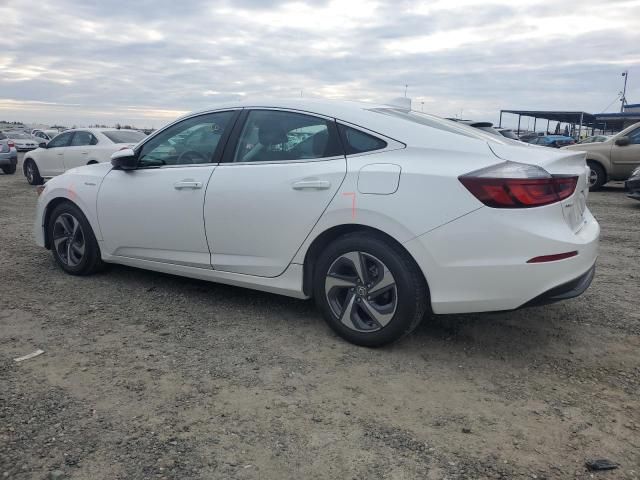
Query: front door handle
[[311, 185], [187, 184]]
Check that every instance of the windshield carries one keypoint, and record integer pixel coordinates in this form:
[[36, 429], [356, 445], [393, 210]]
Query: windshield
[[124, 136], [437, 122]]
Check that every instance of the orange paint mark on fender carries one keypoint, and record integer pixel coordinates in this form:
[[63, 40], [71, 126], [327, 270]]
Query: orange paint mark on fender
[[353, 202]]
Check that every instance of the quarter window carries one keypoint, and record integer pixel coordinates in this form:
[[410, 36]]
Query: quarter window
[[270, 135], [191, 141], [356, 141]]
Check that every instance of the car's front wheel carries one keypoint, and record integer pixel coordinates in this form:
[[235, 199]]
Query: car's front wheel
[[369, 289], [32, 173], [73, 244]]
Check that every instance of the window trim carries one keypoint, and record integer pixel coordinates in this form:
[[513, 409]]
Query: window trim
[[217, 154], [232, 144]]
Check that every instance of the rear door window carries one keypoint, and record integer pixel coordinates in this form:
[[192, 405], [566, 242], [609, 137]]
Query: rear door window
[[273, 135]]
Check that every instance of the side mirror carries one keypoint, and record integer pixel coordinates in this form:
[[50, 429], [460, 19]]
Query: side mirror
[[623, 141], [42, 145], [124, 159]]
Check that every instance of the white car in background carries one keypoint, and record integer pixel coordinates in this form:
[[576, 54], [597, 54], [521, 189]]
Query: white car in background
[[75, 148], [380, 214], [23, 141]]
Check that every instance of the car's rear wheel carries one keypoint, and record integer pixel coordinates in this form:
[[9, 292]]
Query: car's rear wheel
[[73, 244], [32, 173], [597, 176], [9, 169], [370, 290]]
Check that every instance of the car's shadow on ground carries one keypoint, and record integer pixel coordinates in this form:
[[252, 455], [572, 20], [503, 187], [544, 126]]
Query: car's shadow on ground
[[486, 334]]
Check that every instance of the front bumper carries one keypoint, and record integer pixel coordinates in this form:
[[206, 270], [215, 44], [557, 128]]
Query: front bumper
[[632, 186]]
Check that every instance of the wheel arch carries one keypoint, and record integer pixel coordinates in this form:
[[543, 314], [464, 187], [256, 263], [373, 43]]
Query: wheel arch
[[26, 159], [51, 206], [326, 237]]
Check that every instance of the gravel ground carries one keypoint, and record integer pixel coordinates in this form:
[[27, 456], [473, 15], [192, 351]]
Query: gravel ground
[[152, 376]]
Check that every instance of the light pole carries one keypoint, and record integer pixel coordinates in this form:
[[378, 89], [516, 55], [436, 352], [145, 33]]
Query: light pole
[[625, 74]]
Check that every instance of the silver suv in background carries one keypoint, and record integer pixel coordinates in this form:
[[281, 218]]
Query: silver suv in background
[[8, 155]]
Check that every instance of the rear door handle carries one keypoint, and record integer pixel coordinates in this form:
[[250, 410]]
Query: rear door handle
[[311, 185], [187, 184]]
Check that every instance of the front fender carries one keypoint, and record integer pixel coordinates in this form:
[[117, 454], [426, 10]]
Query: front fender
[[82, 192]]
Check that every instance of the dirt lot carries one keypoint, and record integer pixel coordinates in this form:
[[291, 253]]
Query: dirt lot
[[152, 376]]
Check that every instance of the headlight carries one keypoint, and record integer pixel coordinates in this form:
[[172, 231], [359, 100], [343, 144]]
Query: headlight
[[635, 172]]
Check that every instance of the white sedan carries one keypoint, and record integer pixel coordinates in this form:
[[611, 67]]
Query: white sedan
[[74, 148], [378, 213]]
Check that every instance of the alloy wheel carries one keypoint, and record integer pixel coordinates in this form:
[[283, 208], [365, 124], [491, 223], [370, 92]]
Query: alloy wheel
[[30, 172], [68, 239], [361, 291], [593, 177]]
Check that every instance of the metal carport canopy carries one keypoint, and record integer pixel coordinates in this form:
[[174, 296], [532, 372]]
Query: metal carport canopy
[[556, 116]]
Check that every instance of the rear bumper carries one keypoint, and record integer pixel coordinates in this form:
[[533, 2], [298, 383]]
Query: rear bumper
[[571, 289], [478, 263], [8, 158]]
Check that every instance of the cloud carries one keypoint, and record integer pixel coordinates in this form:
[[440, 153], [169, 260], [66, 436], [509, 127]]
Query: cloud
[[76, 61]]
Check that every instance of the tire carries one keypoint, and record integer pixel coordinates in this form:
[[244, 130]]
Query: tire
[[597, 176], [32, 173], [9, 169], [73, 244], [375, 309]]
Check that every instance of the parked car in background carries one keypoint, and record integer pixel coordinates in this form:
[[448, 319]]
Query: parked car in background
[[8, 155], [553, 141], [595, 139], [508, 133], [381, 214], [527, 137], [23, 141], [632, 185], [74, 148], [43, 135], [613, 159], [489, 128]]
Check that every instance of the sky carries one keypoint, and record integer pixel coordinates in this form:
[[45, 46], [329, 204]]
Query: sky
[[148, 61]]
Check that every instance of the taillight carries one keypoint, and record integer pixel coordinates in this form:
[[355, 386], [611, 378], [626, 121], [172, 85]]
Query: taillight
[[518, 185], [11, 144]]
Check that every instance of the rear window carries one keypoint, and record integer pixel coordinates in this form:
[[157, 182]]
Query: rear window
[[437, 122], [356, 141], [124, 136], [2, 137], [19, 136]]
